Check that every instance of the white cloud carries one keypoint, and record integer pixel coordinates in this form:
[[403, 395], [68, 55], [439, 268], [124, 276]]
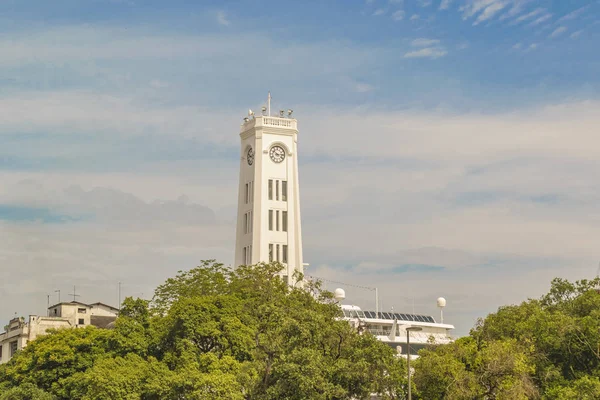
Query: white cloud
[[424, 42], [540, 20], [379, 11], [558, 32], [576, 34], [222, 18], [574, 14], [445, 4], [489, 12], [530, 15], [414, 17], [398, 15], [517, 46], [425, 3], [427, 52]]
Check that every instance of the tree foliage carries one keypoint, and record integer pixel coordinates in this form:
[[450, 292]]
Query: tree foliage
[[212, 333], [547, 348]]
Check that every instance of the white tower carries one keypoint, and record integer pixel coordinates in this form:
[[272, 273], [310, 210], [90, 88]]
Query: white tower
[[268, 224]]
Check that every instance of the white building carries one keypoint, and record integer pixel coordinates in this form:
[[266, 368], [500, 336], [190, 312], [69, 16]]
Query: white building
[[268, 222], [18, 332], [390, 328]]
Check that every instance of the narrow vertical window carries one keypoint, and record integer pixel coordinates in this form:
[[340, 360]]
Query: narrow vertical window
[[252, 192], [284, 221], [246, 194], [277, 220], [283, 190], [270, 252], [276, 190], [270, 220], [284, 253], [249, 254], [246, 223], [245, 255], [270, 189], [250, 221], [277, 252]]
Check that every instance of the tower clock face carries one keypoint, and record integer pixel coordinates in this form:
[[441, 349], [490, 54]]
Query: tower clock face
[[250, 156], [277, 154]]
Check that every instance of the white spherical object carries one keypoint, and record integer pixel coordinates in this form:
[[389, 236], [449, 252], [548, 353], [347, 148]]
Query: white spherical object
[[441, 302], [339, 294]]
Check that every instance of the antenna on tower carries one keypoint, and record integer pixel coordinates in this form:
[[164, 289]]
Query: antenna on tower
[[269, 104]]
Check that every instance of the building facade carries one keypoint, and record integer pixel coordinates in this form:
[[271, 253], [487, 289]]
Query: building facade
[[19, 332], [268, 221]]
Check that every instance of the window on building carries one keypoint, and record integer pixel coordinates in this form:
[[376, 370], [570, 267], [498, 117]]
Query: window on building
[[1, 352], [283, 190], [246, 223], [276, 190], [249, 256], [277, 252], [55, 311], [250, 221], [251, 191], [81, 321], [284, 221], [284, 256], [270, 252], [270, 189], [277, 220], [244, 256], [81, 310], [13, 348], [270, 220], [247, 192]]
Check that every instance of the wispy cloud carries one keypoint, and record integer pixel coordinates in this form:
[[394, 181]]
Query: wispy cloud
[[425, 3], [398, 15], [379, 12], [529, 15], [414, 17], [574, 14], [427, 52], [424, 42], [222, 18], [576, 34], [445, 4], [558, 31], [540, 20], [489, 12]]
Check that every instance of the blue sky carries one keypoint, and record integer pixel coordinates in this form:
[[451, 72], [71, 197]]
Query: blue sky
[[455, 140]]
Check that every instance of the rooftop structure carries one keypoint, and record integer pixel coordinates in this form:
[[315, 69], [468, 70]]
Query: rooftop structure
[[18, 333]]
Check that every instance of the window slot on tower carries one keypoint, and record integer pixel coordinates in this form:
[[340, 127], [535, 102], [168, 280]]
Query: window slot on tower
[[270, 252], [251, 191], [277, 220], [245, 256], [270, 220], [246, 223], [250, 220], [284, 255], [284, 221], [247, 191], [270, 189], [277, 252], [283, 190], [276, 190]]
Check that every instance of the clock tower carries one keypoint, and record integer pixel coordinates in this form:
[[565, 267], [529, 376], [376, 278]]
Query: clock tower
[[268, 220]]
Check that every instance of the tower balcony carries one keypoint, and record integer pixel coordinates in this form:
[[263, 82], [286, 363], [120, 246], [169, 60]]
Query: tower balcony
[[270, 121]]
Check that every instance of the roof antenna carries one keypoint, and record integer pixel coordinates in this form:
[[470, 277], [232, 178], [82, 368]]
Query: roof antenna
[[74, 294], [269, 104]]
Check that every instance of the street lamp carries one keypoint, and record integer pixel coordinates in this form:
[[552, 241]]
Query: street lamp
[[408, 330]]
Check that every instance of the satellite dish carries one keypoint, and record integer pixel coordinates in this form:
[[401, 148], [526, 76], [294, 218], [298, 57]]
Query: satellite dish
[[339, 294]]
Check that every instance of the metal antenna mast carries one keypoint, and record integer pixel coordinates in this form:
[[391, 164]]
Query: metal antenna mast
[[74, 294]]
